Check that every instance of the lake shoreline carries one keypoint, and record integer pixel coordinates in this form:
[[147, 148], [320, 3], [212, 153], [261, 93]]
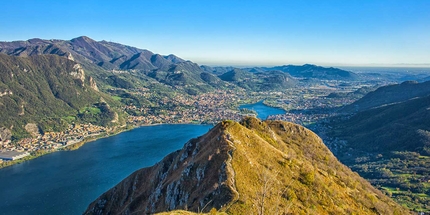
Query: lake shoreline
[[67, 181], [74, 146], [120, 130], [77, 145], [71, 180], [264, 109]]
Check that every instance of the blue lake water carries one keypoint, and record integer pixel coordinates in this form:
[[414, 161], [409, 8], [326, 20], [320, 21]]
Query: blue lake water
[[263, 111], [66, 182]]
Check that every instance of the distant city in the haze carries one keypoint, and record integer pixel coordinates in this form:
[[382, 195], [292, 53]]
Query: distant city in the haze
[[215, 107]]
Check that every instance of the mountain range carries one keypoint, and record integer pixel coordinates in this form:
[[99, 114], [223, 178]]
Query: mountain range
[[118, 62], [251, 167], [108, 55], [101, 58], [111, 69]]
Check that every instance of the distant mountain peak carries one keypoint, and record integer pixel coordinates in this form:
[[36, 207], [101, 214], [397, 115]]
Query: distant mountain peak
[[310, 65], [85, 38], [36, 40], [318, 72]]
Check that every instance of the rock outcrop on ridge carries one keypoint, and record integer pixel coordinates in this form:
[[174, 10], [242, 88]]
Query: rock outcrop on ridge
[[251, 167]]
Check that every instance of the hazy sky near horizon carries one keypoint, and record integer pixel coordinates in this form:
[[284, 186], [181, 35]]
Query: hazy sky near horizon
[[228, 32]]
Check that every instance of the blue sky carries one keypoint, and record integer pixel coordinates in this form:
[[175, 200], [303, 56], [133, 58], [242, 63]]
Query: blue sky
[[330, 32]]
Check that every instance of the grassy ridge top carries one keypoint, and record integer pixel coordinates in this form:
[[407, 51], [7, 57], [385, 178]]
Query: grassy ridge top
[[292, 168], [251, 167]]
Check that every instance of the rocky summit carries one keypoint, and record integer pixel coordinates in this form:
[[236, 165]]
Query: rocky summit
[[248, 167]]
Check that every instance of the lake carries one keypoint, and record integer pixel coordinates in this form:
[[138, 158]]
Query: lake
[[66, 182], [263, 111]]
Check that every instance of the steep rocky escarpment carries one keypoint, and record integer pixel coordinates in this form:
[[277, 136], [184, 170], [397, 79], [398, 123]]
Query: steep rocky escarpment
[[251, 167], [199, 175]]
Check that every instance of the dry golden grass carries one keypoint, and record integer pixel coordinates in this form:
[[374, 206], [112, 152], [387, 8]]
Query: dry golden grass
[[182, 212], [252, 167], [284, 168]]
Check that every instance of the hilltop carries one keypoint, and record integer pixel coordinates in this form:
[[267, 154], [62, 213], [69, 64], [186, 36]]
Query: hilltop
[[246, 168], [259, 81], [318, 72], [306, 71]]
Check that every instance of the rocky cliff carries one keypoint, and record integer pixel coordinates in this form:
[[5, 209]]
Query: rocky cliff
[[251, 167]]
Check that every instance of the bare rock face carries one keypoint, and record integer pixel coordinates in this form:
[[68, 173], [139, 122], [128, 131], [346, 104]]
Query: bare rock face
[[33, 129], [5, 134], [78, 73], [251, 167], [5, 93], [93, 84], [199, 175], [115, 117], [70, 56]]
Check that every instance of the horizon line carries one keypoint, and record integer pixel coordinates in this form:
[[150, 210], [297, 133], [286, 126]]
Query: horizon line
[[245, 64]]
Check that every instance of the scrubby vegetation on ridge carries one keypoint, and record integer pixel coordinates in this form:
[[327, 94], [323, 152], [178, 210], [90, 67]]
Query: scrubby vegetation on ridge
[[251, 167], [296, 174]]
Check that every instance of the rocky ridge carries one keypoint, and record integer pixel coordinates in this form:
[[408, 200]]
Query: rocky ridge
[[246, 168]]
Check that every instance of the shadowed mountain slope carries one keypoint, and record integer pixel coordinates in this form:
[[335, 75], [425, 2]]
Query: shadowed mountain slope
[[390, 94], [388, 142], [397, 127]]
